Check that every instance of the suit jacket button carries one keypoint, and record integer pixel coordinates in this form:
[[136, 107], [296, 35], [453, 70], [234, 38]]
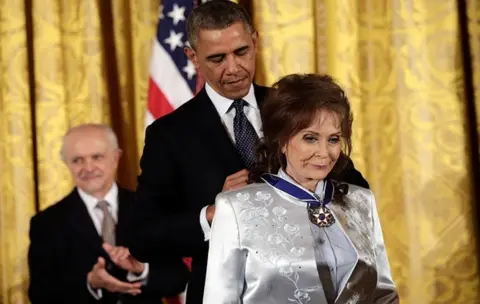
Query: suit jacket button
[[349, 286]]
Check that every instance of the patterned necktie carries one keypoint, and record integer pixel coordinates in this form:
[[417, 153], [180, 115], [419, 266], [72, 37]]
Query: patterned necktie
[[246, 138], [108, 224]]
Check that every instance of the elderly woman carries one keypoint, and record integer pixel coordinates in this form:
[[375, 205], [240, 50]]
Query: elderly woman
[[300, 236]]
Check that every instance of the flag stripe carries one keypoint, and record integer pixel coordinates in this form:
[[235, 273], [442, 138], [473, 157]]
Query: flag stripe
[[158, 104], [166, 76], [173, 78]]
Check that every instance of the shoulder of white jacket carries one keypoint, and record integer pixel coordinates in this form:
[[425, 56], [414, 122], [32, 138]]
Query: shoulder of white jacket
[[251, 189], [248, 188], [357, 189], [359, 194]]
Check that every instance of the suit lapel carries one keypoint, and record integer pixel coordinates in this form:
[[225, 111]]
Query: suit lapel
[[260, 94], [124, 204], [213, 132], [82, 223]]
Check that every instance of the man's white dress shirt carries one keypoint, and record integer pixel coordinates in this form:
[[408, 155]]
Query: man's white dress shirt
[[96, 214], [222, 105]]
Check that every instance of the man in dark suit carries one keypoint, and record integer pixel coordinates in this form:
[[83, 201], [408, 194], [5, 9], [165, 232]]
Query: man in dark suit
[[76, 253], [204, 147]]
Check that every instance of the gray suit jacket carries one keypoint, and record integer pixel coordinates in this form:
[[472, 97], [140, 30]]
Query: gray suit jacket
[[262, 250]]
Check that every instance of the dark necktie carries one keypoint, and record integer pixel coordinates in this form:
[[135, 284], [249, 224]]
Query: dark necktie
[[108, 224], [246, 138]]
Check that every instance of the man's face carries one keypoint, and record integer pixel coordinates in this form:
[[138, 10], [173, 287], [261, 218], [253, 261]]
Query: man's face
[[226, 58], [92, 160]]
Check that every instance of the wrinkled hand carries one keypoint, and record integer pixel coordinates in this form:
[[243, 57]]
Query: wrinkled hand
[[122, 258], [98, 277], [236, 180], [232, 182], [210, 213]]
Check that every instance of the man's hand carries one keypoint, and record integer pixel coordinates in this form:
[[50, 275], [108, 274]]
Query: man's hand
[[236, 180], [232, 182], [210, 213], [122, 258], [98, 277]]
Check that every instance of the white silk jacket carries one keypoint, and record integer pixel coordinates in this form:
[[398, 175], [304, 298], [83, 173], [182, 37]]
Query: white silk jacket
[[262, 250]]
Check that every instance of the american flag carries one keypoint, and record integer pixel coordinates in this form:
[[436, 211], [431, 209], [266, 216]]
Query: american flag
[[173, 78]]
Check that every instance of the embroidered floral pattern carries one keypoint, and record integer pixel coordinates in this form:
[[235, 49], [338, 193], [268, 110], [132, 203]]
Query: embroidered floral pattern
[[297, 251], [243, 196], [253, 213], [256, 214], [263, 196], [279, 211], [286, 271], [253, 234], [276, 239], [291, 229], [269, 223], [302, 295]]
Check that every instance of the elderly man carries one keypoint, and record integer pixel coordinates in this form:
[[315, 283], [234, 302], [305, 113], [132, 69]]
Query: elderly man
[[76, 253]]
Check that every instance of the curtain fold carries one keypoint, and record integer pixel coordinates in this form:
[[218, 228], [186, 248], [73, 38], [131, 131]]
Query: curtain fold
[[66, 63], [286, 31], [17, 194], [134, 27], [70, 87], [403, 69], [473, 14], [78, 75]]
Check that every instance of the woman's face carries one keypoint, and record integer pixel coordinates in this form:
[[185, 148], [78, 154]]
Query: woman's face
[[312, 152]]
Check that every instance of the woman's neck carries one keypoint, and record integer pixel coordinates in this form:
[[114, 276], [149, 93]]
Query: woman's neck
[[309, 184]]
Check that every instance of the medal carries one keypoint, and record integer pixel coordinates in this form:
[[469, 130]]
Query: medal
[[318, 212], [321, 216]]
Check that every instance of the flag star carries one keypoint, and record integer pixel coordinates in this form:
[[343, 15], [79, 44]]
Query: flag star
[[177, 14], [160, 12], [189, 69], [175, 40]]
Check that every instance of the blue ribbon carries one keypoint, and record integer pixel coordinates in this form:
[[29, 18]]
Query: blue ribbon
[[297, 192]]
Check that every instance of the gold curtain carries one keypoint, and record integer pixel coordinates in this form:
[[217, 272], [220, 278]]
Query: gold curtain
[[91, 65], [17, 194], [473, 14], [401, 62], [70, 62], [63, 63]]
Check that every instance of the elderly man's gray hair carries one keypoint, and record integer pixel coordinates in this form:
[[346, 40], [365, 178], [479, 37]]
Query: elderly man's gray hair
[[110, 133]]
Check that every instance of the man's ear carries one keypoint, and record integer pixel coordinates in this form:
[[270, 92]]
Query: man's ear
[[192, 55], [255, 39], [118, 153]]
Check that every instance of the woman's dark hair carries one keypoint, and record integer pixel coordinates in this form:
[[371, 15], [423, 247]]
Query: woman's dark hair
[[291, 106]]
